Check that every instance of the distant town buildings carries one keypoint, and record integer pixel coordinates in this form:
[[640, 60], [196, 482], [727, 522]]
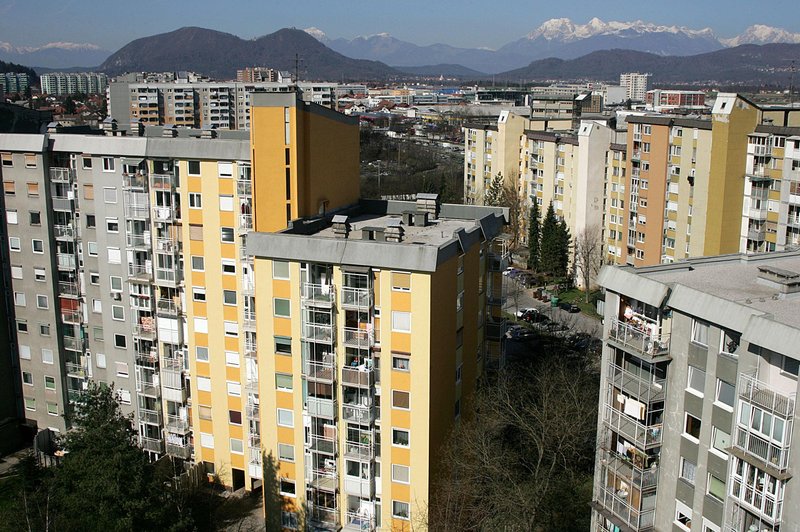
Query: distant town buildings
[[259, 74], [67, 83], [14, 82], [668, 101], [635, 85]]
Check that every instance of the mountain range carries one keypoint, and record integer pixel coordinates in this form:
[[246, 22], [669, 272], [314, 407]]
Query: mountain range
[[560, 38], [54, 55]]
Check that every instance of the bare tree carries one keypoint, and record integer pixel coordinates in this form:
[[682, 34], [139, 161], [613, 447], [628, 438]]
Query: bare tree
[[504, 192], [588, 257]]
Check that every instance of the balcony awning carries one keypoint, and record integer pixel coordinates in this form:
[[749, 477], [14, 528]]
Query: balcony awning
[[132, 161], [758, 178], [633, 285], [773, 335]]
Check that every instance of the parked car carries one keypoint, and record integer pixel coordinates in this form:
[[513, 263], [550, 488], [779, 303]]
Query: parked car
[[524, 311], [536, 317], [570, 307]]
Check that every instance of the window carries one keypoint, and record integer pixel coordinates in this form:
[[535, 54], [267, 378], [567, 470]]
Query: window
[[790, 366], [400, 437], [109, 194], [194, 168], [401, 282], [91, 249], [206, 440], [108, 164], [231, 328], [401, 400], [122, 369], [283, 382], [14, 243], [49, 383], [234, 388], [226, 203], [708, 526], [286, 452], [225, 169], [401, 321], [100, 360], [697, 380], [683, 516], [16, 272], [30, 160], [692, 427], [282, 307], [116, 283], [22, 326], [401, 473], [720, 440], [401, 363], [42, 301], [30, 403], [289, 520], [87, 163], [52, 408], [237, 447], [27, 378], [112, 225], [198, 263], [283, 345], [234, 417], [232, 359], [688, 470], [459, 372], [285, 418], [114, 256], [9, 187], [47, 356], [11, 217], [716, 487], [195, 200], [726, 394], [287, 487], [400, 510], [195, 232], [700, 333], [229, 297], [88, 191], [97, 306], [198, 293], [19, 299], [280, 269], [91, 221], [228, 267], [25, 352], [204, 384], [7, 159], [39, 274], [97, 334], [35, 217], [118, 312], [120, 341], [201, 353], [37, 245], [227, 234], [201, 325]]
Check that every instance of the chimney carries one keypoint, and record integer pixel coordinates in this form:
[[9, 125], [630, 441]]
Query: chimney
[[341, 227], [137, 128], [421, 219], [52, 127], [109, 126], [428, 203], [169, 131], [394, 231], [408, 218], [208, 132]]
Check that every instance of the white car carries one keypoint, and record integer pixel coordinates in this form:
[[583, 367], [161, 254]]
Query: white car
[[521, 312]]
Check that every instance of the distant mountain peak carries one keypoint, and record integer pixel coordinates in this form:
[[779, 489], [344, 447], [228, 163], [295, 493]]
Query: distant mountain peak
[[317, 33], [762, 34], [565, 30]]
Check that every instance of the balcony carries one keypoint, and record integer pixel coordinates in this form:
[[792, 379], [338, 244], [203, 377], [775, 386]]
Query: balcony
[[164, 214], [640, 342], [152, 444], [75, 370], [363, 414], [137, 211], [180, 450], [140, 272], [66, 261], [615, 502], [646, 388], [62, 175], [643, 435], [322, 295], [177, 424], [358, 521], [358, 338], [761, 448], [134, 180], [356, 298], [245, 223], [64, 232], [756, 234], [322, 479], [74, 317], [74, 344], [163, 182], [138, 240], [150, 416], [149, 389], [167, 245], [757, 214], [360, 487], [244, 187], [324, 408], [766, 397], [318, 333], [325, 518], [633, 470], [68, 289], [759, 150], [145, 331], [168, 277], [362, 377], [147, 358], [636, 155], [250, 348], [363, 449], [322, 444], [168, 307], [319, 371]]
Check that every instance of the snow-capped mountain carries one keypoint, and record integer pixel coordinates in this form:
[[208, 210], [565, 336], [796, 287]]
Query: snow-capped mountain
[[54, 54], [564, 30], [318, 34], [761, 34]]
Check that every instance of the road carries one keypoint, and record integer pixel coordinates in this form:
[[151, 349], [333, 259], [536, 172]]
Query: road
[[518, 297]]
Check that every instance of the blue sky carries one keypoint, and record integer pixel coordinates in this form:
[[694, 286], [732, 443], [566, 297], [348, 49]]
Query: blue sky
[[469, 23]]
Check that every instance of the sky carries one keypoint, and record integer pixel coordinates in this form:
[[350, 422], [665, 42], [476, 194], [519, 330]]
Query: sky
[[468, 23]]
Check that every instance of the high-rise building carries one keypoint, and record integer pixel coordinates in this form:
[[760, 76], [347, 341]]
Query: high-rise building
[[697, 400], [65, 83], [14, 82], [635, 85]]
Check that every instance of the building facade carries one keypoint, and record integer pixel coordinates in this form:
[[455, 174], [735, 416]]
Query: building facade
[[14, 82], [698, 390], [635, 85], [65, 83]]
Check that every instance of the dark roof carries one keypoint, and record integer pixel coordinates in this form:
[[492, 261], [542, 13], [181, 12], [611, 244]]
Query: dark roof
[[661, 120], [563, 137], [618, 147], [778, 130], [476, 125]]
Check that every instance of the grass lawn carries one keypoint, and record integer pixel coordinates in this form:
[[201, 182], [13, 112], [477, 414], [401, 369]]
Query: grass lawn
[[577, 296]]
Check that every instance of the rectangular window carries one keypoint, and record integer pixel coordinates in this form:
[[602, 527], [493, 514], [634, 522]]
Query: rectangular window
[[25, 352], [401, 321], [112, 225], [30, 160], [120, 341], [7, 159], [35, 217], [49, 383], [88, 191], [195, 200], [206, 440], [692, 427], [237, 447], [37, 245], [109, 194], [285, 418], [42, 301], [108, 164], [287, 487], [401, 282], [280, 269], [22, 326], [52, 408], [688, 470], [232, 358], [225, 169], [401, 400], [91, 221], [198, 263], [700, 332], [229, 297], [226, 203], [285, 452], [194, 168], [16, 272], [283, 345], [115, 282], [283, 382], [195, 232], [11, 217], [282, 308], [198, 293], [227, 234], [697, 380], [91, 249], [726, 394], [234, 417], [100, 360], [27, 378], [30, 404], [118, 312], [201, 325], [716, 487], [201, 353], [401, 363], [44, 329], [47, 356], [228, 267], [231, 328], [401, 474], [400, 437], [97, 306], [87, 163], [234, 388], [204, 384], [683, 516], [14, 243], [122, 369], [114, 256], [400, 510], [19, 299]]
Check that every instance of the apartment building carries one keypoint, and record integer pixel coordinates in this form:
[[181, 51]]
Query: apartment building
[[635, 85], [14, 82], [670, 101], [65, 83], [698, 392], [381, 319], [771, 207], [200, 103]]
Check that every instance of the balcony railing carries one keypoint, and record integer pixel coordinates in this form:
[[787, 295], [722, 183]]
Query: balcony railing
[[181, 450], [633, 430], [765, 396], [72, 316], [145, 331], [321, 371], [645, 478], [359, 521], [318, 333], [755, 445], [318, 294], [245, 222], [322, 478], [322, 444], [64, 231], [134, 180], [363, 450], [362, 377], [163, 181], [641, 341], [360, 487], [74, 344], [250, 348], [645, 388], [168, 307], [150, 416], [177, 424], [757, 214], [149, 389], [356, 297], [152, 444], [66, 261], [358, 413], [138, 240], [74, 369], [168, 276], [138, 211], [244, 187], [68, 289], [164, 214], [325, 408], [62, 175], [756, 234], [359, 338], [616, 502], [140, 271]]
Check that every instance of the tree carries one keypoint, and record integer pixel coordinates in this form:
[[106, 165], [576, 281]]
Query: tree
[[534, 234], [549, 243], [588, 257], [493, 195], [564, 243], [105, 481], [504, 193]]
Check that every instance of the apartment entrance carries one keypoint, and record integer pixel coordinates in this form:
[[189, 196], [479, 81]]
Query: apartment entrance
[[238, 478]]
